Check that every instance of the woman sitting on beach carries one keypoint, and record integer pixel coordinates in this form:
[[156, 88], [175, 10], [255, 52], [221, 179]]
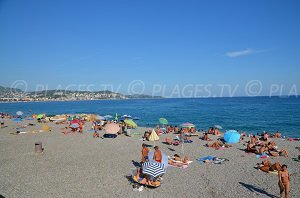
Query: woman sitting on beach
[[175, 129], [146, 136], [250, 148], [144, 179], [193, 130], [205, 137], [272, 146], [216, 132], [169, 129]]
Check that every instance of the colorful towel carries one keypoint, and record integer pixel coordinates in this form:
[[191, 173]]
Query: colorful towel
[[203, 159]]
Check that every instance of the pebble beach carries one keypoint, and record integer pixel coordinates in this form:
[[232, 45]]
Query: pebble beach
[[78, 165]]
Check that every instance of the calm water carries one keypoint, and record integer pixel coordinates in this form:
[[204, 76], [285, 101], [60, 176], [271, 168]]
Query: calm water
[[247, 114]]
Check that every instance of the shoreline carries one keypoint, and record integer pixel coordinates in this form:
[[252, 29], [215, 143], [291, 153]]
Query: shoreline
[[162, 98]]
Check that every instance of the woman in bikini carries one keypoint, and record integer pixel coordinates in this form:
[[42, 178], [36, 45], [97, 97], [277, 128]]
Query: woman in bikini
[[284, 181]]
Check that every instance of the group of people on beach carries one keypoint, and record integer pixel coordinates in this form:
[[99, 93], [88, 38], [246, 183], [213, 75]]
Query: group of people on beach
[[262, 146], [258, 144]]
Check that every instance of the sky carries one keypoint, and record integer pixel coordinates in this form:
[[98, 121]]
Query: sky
[[174, 48]]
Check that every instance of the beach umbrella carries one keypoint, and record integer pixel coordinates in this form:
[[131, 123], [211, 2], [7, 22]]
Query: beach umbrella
[[187, 125], [100, 117], [112, 128], [40, 116], [153, 169], [126, 116], [19, 113], [107, 116], [135, 118], [232, 137], [74, 126], [130, 123], [153, 137], [217, 127], [163, 121], [165, 160], [75, 121]]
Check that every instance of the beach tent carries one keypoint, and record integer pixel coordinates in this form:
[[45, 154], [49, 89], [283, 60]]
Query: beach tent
[[130, 123], [232, 137], [153, 137], [165, 160], [163, 121]]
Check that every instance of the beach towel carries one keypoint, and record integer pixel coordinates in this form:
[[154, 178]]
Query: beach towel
[[188, 141], [207, 158], [264, 156]]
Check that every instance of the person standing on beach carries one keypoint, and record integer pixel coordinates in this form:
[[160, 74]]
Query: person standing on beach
[[2, 122], [145, 153], [284, 181], [157, 155]]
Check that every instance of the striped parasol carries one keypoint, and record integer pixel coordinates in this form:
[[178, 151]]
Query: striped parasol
[[153, 169]]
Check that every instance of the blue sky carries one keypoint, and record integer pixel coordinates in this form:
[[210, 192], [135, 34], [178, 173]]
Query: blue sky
[[58, 44]]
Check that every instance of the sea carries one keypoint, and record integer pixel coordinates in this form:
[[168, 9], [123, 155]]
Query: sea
[[248, 114]]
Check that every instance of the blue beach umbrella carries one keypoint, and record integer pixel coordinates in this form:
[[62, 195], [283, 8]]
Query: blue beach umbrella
[[19, 113], [232, 137], [164, 158], [153, 169], [107, 117]]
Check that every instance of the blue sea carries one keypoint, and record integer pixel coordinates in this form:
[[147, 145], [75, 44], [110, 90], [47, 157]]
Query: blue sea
[[249, 114]]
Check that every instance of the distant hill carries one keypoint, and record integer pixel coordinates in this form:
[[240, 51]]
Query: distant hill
[[4, 90], [11, 94]]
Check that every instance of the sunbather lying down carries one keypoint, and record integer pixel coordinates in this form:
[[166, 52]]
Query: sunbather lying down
[[179, 162], [144, 179], [172, 142], [218, 145], [267, 166]]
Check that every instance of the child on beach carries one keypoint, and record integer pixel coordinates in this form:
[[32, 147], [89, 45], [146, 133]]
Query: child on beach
[[284, 181]]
